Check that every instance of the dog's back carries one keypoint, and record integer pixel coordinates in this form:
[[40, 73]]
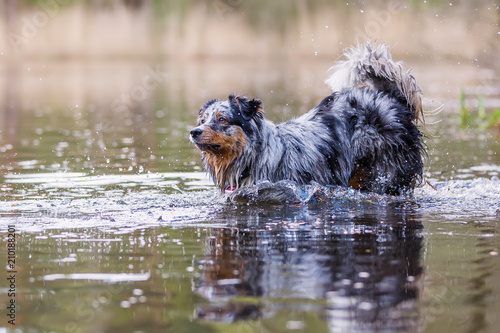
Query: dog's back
[[382, 104]]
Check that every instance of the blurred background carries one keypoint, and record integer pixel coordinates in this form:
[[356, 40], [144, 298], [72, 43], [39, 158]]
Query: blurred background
[[182, 29]]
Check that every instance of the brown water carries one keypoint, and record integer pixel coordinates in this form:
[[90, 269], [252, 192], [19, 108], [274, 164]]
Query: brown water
[[117, 228]]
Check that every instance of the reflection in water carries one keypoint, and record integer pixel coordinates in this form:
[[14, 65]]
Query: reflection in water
[[359, 261]]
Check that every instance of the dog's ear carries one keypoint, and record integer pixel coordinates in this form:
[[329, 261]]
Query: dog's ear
[[248, 107]]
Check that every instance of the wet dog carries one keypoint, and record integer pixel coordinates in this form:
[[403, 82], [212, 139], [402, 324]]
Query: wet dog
[[363, 135]]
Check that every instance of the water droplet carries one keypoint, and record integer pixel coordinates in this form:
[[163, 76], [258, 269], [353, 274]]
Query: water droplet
[[295, 325], [364, 274], [359, 285], [365, 306], [125, 304]]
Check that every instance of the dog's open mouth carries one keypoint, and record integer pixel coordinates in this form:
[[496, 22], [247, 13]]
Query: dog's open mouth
[[231, 189], [208, 147], [243, 177]]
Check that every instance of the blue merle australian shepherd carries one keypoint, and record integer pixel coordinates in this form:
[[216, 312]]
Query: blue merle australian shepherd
[[364, 135]]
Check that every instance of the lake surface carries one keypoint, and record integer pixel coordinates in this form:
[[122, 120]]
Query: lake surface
[[118, 229]]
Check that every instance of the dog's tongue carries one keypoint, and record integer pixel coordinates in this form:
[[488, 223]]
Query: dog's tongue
[[230, 189]]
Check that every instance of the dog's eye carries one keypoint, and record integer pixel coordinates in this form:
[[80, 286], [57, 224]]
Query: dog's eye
[[222, 120], [202, 121]]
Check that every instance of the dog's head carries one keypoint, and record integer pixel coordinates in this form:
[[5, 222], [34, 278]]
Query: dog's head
[[223, 131], [224, 126]]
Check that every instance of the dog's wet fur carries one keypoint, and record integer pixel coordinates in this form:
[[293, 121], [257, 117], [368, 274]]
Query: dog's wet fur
[[364, 135]]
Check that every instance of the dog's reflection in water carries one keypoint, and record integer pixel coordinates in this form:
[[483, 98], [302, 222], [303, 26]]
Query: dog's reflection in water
[[361, 260]]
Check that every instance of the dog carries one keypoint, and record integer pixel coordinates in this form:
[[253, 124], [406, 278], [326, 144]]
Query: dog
[[364, 135]]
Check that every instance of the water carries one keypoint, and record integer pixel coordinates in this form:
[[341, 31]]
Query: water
[[118, 229]]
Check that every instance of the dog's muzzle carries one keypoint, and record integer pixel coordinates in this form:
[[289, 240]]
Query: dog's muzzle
[[196, 137], [196, 132]]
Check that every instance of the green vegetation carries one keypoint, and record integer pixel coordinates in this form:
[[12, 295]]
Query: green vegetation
[[477, 118]]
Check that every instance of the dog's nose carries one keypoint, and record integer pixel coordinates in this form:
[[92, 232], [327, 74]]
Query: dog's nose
[[196, 132]]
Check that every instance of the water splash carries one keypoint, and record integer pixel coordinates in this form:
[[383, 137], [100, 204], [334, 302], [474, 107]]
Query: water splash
[[466, 198], [138, 201], [288, 192]]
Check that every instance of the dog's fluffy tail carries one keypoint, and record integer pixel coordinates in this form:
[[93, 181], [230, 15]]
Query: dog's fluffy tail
[[372, 65]]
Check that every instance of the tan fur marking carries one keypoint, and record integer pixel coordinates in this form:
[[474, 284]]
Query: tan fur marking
[[357, 180], [260, 110], [231, 147]]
